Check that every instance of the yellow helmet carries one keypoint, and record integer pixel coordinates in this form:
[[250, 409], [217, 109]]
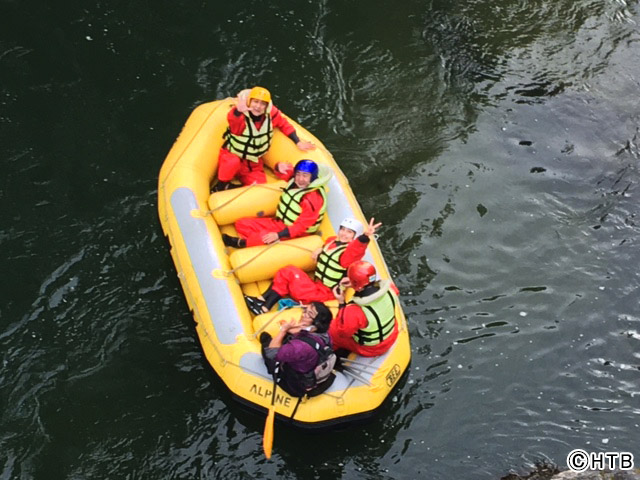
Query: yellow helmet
[[259, 93]]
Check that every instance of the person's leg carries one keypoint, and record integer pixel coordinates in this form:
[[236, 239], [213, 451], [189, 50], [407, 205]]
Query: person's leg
[[264, 302], [228, 168], [253, 228], [305, 290], [252, 172], [294, 282], [284, 277], [247, 227]]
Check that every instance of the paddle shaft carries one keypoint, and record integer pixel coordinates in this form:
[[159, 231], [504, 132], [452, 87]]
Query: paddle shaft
[[267, 437]]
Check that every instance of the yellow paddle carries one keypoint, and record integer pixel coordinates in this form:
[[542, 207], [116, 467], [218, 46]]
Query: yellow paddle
[[267, 437]]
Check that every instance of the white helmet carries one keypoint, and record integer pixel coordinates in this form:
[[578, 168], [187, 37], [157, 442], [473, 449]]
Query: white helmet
[[353, 224]]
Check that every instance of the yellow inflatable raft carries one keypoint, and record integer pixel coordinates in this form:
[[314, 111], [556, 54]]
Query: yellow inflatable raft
[[214, 277]]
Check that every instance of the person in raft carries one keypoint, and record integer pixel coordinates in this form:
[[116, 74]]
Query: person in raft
[[367, 325], [300, 210], [248, 137], [295, 352], [332, 261]]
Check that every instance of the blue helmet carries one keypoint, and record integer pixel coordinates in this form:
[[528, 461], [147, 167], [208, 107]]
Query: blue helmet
[[307, 166]]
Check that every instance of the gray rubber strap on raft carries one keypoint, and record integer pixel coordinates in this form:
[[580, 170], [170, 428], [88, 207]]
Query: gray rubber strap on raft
[[202, 255]]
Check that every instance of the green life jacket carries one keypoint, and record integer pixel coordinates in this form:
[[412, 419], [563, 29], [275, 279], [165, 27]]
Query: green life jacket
[[380, 310], [328, 269], [252, 143], [289, 207]]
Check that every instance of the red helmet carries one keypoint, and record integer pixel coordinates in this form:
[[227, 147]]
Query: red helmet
[[361, 274]]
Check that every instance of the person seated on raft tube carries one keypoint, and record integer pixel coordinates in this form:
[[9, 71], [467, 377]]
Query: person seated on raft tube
[[367, 325], [248, 138], [295, 358], [332, 259], [300, 210]]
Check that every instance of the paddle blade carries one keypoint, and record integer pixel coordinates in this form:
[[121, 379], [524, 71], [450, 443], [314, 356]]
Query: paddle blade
[[267, 437]]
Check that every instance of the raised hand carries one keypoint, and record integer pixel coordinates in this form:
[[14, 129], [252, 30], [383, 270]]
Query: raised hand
[[241, 101], [371, 228]]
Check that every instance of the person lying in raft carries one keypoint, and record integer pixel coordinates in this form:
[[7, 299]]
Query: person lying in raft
[[332, 259], [248, 137], [297, 351], [367, 325], [300, 210]]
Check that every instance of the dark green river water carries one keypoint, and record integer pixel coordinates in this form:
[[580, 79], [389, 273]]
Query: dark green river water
[[496, 141]]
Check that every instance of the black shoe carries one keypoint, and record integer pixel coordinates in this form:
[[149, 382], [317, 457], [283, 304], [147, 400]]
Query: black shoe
[[230, 241], [223, 186], [254, 304], [220, 186]]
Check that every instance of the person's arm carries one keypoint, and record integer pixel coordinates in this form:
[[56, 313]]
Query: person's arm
[[283, 170], [236, 121], [348, 321], [278, 121], [276, 342], [354, 251], [285, 127]]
